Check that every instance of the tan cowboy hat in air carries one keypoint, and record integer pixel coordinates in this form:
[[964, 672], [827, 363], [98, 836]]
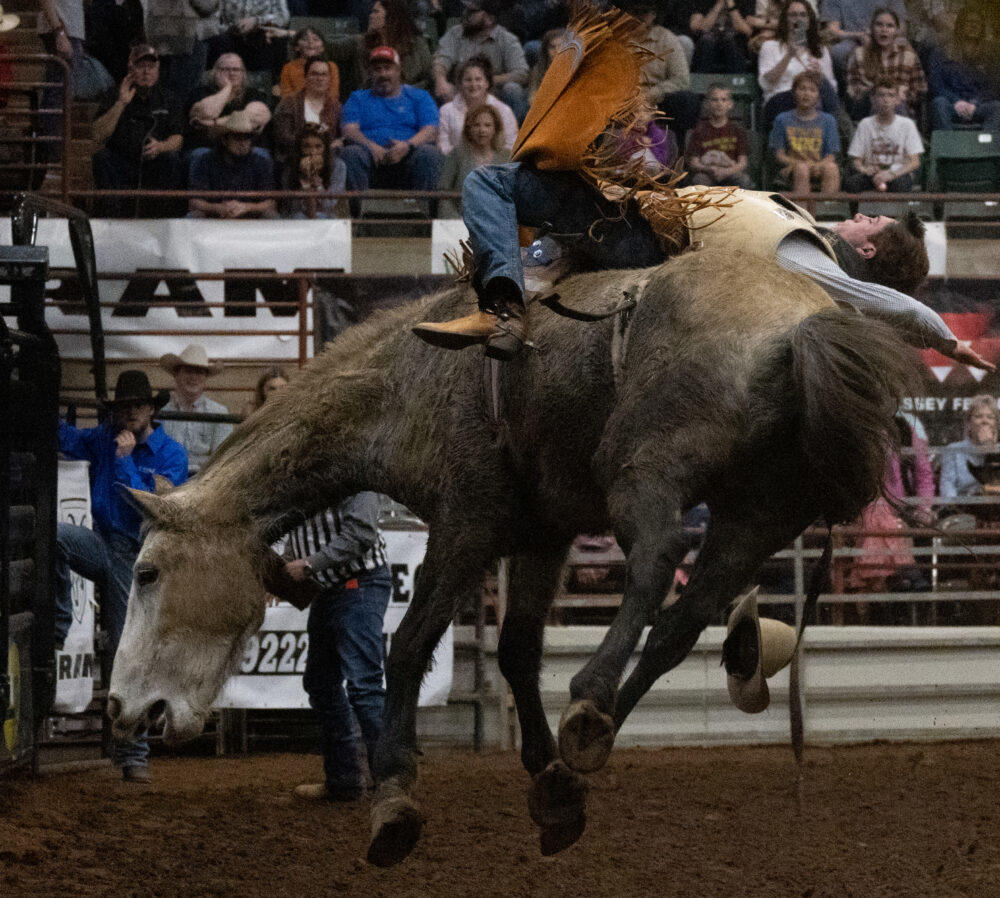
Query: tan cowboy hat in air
[[764, 643], [194, 356], [8, 21]]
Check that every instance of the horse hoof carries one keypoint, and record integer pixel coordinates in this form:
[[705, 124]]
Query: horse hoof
[[396, 825], [585, 737], [554, 839]]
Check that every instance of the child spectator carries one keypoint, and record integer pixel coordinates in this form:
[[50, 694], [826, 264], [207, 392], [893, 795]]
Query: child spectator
[[886, 148], [306, 44], [655, 146], [804, 140], [474, 78], [885, 55], [229, 92], [311, 105], [234, 164], [314, 167], [716, 151], [847, 23], [797, 48], [483, 142], [963, 91], [720, 31], [271, 380], [550, 44]]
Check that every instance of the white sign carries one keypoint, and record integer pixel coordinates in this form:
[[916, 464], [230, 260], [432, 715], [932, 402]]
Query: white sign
[[196, 245], [446, 237], [76, 664], [274, 660]]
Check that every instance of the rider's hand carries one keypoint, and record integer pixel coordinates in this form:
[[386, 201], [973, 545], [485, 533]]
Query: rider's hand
[[964, 353]]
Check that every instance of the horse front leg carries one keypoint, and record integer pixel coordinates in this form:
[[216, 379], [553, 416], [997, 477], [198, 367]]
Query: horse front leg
[[449, 575], [556, 797], [652, 533]]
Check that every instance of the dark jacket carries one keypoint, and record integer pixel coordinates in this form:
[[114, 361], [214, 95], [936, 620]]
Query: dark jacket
[[290, 118]]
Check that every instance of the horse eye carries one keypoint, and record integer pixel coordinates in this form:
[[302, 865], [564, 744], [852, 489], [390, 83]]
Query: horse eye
[[147, 575]]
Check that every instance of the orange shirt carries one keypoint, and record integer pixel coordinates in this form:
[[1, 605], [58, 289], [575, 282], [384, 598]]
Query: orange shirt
[[293, 78]]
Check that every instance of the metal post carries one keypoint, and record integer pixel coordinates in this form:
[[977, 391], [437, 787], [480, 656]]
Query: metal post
[[503, 581], [303, 290], [799, 568]]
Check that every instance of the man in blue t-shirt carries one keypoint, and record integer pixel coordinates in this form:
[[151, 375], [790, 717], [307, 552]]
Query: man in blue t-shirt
[[128, 450], [390, 131]]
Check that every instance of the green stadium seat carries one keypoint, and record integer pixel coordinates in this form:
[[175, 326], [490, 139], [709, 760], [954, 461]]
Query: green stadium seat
[[967, 162]]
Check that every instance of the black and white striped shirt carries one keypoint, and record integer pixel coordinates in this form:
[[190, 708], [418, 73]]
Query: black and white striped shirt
[[341, 543]]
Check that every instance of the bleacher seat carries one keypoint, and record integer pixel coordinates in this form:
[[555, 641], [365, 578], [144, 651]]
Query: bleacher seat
[[967, 162]]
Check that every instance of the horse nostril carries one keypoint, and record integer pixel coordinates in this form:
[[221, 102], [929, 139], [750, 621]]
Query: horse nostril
[[156, 711], [114, 709]]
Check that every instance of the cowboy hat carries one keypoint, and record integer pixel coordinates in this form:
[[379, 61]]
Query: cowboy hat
[[194, 356], [133, 386], [755, 648], [8, 21], [238, 122]]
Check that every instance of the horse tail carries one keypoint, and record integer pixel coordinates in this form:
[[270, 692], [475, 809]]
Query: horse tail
[[848, 375]]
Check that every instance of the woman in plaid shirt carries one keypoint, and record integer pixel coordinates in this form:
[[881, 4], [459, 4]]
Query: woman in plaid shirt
[[885, 55]]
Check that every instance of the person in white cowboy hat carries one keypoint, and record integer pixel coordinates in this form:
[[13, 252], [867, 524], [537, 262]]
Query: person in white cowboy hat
[[234, 164], [755, 649], [191, 371]]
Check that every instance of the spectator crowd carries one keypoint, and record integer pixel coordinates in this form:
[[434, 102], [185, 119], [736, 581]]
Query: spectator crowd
[[222, 95]]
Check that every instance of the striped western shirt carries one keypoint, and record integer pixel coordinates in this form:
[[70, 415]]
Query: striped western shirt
[[340, 543]]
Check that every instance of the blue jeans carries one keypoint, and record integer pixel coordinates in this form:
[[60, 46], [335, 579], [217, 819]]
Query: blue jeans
[[345, 644], [944, 117], [108, 563], [418, 170], [495, 198]]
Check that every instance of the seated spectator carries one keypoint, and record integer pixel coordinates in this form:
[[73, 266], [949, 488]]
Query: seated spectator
[[306, 44], [390, 131], [179, 31], [272, 380], [390, 24], [191, 371], [550, 44], [313, 166], [797, 48], [253, 29], [140, 133], [764, 23], [982, 423], [112, 27], [529, 20], [805, 142], [963, 93], [847, 26], [482, 141], [885, 55], [128, 450], [234, 164], [717, 147], [475, 78], [229, 92], [666, 78], [480, 35], [720, 31], [885, 150], [929, 24], [311, 105], [655, 146]]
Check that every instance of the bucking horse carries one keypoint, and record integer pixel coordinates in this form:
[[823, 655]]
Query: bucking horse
[[731, 382]]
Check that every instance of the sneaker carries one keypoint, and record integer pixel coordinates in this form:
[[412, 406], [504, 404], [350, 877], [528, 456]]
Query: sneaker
[[321, 792], [137, 773]]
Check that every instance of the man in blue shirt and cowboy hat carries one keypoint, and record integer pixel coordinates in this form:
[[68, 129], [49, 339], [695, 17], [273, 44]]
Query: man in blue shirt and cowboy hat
[[127, 450]]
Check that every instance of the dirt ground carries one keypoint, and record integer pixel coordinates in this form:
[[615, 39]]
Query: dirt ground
[[900, 820]]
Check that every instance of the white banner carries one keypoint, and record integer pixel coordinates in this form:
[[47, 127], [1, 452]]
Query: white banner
[[446, 235], [76, 664], [196, 245], [275, 659]]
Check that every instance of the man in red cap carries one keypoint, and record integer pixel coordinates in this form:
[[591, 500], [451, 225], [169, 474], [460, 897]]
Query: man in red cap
[[390, 131]]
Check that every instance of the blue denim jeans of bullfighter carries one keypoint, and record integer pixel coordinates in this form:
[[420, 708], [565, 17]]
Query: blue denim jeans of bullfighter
[[496, 198], [108, 563], [346, 649]]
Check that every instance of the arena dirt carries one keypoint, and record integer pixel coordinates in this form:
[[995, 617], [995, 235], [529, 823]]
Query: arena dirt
[[900, 820]]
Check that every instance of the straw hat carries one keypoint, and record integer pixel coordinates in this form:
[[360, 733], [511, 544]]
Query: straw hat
[[194, 356], [8, 21], [755, 648]]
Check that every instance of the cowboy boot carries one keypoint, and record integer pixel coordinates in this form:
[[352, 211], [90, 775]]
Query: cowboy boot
[[499, 323]]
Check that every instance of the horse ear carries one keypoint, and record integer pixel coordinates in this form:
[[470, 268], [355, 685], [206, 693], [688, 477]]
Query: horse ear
[[148, 504], [280, 584]]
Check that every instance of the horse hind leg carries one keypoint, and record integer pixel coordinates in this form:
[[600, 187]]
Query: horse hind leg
[[737, 543], [556, 797], [649, 525]]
